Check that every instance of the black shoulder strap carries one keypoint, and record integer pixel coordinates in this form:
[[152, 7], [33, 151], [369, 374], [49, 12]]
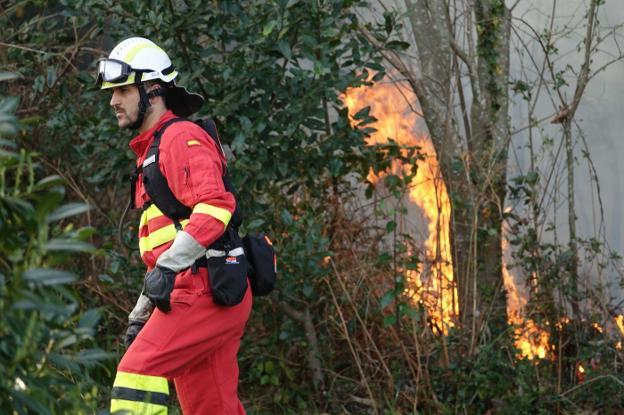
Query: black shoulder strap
[[156, 185], [210, 127]]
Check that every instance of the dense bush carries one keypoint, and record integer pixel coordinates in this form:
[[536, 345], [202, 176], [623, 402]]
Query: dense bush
[[48, 351]]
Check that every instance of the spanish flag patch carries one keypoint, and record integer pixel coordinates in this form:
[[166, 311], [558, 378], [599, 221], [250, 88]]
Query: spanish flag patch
[[192, 143]]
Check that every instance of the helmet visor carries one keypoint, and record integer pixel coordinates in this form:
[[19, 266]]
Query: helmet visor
[[112, 70]]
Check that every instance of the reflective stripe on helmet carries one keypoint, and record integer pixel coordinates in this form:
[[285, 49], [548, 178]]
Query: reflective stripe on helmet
[[134, 50], [129, 81]]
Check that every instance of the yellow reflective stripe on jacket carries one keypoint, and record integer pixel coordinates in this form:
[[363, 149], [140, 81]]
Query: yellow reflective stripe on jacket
[[150, 213], [159, 237], [146, 383], [216, 212]]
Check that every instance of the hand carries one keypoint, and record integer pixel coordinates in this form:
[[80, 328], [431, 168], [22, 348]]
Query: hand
[[158, 286], [133, 330]]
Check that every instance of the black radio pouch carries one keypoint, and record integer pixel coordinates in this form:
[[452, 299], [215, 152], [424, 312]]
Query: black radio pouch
[[262, 262], [227, 269]]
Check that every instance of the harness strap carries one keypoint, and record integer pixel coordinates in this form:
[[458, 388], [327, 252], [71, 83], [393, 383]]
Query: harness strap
[[158, 189]]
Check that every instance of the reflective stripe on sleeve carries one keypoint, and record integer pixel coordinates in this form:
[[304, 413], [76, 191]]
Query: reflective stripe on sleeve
[[216, 212]]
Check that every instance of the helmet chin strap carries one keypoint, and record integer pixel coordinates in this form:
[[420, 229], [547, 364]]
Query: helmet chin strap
[[144, 101]]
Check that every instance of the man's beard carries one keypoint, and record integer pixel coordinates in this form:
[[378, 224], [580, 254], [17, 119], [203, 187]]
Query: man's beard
[[126, 120]]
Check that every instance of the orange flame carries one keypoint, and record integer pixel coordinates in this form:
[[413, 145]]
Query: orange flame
[[619, 322], [432, 284], [531, 340]]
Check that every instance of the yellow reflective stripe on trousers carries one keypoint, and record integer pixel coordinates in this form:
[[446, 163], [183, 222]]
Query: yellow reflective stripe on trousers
[[216, 212], [143, 385], [136, 408], [146, 383], [159, 237]]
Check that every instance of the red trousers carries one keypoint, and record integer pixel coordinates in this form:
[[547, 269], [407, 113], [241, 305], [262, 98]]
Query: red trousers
[[195, 345]]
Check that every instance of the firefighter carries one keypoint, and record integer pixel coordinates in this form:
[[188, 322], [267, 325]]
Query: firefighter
[[176, 332]]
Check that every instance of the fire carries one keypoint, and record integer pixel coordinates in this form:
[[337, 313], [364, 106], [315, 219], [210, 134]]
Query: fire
[[580, 373], [531, 340], [432, 284], [619, 322]]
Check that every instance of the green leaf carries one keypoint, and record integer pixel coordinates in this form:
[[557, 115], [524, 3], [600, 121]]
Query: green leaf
[[48, 182], [9, 105], [363, 113], [91, 356], [68, 245], [286, 217], [23, 399], [67, 210], [8, 143], [389, 320], [44, 307], [268, 27], [255, 224], [397, 45], [387, 299], [48, 276], [7, 76], [51, 76], [90, 319], [284, 48]]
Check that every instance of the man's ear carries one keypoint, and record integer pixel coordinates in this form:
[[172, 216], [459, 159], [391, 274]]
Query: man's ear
[[150, 87]]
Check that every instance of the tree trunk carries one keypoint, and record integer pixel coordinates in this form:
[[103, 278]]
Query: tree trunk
[[475, 170]]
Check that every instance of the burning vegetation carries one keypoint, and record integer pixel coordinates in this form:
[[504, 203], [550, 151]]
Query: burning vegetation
[[433, 285]]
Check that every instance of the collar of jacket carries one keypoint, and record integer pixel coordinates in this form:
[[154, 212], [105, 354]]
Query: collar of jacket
[[140, 143]]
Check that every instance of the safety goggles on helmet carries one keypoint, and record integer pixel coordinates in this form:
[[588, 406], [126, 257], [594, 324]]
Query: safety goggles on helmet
[[112, 70]]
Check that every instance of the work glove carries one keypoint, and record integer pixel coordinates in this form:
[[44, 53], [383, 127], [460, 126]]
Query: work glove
[[181, 255], [138, 317], [157, 287], [133, 330]]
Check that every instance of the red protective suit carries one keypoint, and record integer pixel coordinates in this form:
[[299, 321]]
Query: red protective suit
[[196, 343]]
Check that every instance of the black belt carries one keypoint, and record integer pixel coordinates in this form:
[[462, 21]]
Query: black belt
[[201, 262]]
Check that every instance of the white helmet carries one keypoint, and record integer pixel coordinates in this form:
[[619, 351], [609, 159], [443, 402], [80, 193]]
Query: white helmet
[[137, 60], [134, 57]]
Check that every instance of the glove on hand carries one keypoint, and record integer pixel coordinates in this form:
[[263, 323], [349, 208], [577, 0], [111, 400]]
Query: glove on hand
[[133, 330], [158, 286]]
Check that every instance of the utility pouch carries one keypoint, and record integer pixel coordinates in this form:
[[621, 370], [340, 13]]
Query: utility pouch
[[227, 269], [262, 264]]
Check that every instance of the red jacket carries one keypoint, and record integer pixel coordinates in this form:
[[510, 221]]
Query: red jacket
[[192, 164]]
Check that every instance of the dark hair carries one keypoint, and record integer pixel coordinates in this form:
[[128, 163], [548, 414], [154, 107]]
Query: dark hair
[[163, 85]]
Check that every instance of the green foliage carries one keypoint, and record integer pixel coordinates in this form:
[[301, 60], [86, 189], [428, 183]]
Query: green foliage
[[47, 345]]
